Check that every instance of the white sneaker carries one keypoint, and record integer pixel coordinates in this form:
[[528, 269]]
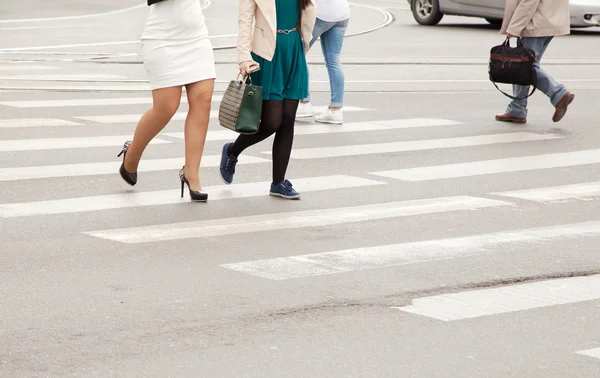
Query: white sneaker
[[331, 116], [304, 110]]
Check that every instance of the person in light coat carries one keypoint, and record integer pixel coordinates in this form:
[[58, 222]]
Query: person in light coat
[[537, 22]]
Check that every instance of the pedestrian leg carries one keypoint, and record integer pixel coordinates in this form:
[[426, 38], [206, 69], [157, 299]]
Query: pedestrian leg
[[331, 44], [165, 104], [270, 122], [196, 126]]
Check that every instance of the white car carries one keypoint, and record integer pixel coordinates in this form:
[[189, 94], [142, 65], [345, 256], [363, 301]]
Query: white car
[[584, 13]]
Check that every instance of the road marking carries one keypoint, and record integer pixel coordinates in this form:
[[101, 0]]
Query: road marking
[[25, 67], [590, 353], [486, 302], [66, 143], [80, 88], [388, 18], [582, 191], [109, 168], [416, 145], [316, 129], [293, 220], [488, 167], [204, 4], [180, 116], [62, 18], [94, 44], [35, 122], [63, 77], [89, 102], [357, 259], [18, 28], [166, 197]]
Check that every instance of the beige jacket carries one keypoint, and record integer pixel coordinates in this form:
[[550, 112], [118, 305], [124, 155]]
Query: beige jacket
[[536, 18], [261, 37]]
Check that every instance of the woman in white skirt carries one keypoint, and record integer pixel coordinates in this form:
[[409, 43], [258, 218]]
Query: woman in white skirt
[[176, 52]]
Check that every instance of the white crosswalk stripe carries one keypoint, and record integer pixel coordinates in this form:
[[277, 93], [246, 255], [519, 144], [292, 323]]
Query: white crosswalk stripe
[[13, 67], [88, 102], [179, 116], [66, 143], [35, 122], [344, 128], [595, 353], [488, 167], [583, 191], [430, 144], [63, 77], [293, 220], [284, 268], [165, 197], [494, 301], [108, 168]]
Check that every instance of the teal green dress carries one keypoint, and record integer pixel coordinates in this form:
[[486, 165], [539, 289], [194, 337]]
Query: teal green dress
[[286, 76]]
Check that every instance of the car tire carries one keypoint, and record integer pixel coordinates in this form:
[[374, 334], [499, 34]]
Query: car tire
[[426, 12], [494, 21]]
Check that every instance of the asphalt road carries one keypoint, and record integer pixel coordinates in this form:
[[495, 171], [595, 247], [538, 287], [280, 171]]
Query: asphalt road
[[430, 241]]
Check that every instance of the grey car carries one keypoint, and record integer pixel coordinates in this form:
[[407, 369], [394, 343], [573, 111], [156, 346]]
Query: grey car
[[584, 13]]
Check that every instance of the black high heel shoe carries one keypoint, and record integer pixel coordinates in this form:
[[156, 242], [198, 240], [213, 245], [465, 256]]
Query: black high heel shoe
[[130, 178], [195, 195]]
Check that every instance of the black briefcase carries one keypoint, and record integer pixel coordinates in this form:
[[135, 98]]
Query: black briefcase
[[513, 65]]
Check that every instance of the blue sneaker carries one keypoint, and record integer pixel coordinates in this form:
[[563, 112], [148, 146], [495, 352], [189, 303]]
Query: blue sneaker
[[228, 163], [284, 190]]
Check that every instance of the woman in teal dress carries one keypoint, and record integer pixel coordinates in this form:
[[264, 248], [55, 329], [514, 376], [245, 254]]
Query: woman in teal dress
[[279, 43]]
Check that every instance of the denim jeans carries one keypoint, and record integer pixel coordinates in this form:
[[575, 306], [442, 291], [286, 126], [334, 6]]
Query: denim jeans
[[555, 91], [332, 37]]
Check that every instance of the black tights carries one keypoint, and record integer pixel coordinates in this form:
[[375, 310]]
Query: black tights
[[277, 117]]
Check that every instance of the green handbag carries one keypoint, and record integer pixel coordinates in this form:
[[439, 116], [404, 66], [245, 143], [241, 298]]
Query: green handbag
[[241, 107]]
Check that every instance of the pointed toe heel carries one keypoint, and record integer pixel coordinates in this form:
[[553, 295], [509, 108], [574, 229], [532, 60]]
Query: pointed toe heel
[[130, 178], [195, 195]]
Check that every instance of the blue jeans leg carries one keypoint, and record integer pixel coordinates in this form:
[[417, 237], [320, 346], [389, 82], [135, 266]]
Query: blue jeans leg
[[554, 90], [320, 28], [331, 44], [332, 37]]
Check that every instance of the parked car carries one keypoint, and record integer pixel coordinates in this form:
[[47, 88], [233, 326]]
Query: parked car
[[584, 13]]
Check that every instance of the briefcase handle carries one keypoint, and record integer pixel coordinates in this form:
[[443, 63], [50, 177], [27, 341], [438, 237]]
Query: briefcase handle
[[507, 41], [518, 98]]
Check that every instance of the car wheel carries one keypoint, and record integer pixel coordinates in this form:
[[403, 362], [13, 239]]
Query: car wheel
[[426, 12], [494, 21]]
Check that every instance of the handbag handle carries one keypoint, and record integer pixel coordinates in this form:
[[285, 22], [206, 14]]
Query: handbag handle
[[244, 78], [507, 42]]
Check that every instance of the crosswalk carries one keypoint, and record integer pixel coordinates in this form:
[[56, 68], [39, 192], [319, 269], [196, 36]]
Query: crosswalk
[[76, 116]]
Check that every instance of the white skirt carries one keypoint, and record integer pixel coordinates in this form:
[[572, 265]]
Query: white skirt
[[176, 49]]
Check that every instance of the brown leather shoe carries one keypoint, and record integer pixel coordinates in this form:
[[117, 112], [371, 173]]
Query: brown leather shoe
[[509, 118], [561, 107]]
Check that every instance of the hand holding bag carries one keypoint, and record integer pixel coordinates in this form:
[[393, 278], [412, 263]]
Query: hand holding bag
[[513, 65], [241, 106]]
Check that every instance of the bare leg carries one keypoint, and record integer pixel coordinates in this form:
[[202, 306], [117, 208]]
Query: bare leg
[[165, 104], [196, 125]]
